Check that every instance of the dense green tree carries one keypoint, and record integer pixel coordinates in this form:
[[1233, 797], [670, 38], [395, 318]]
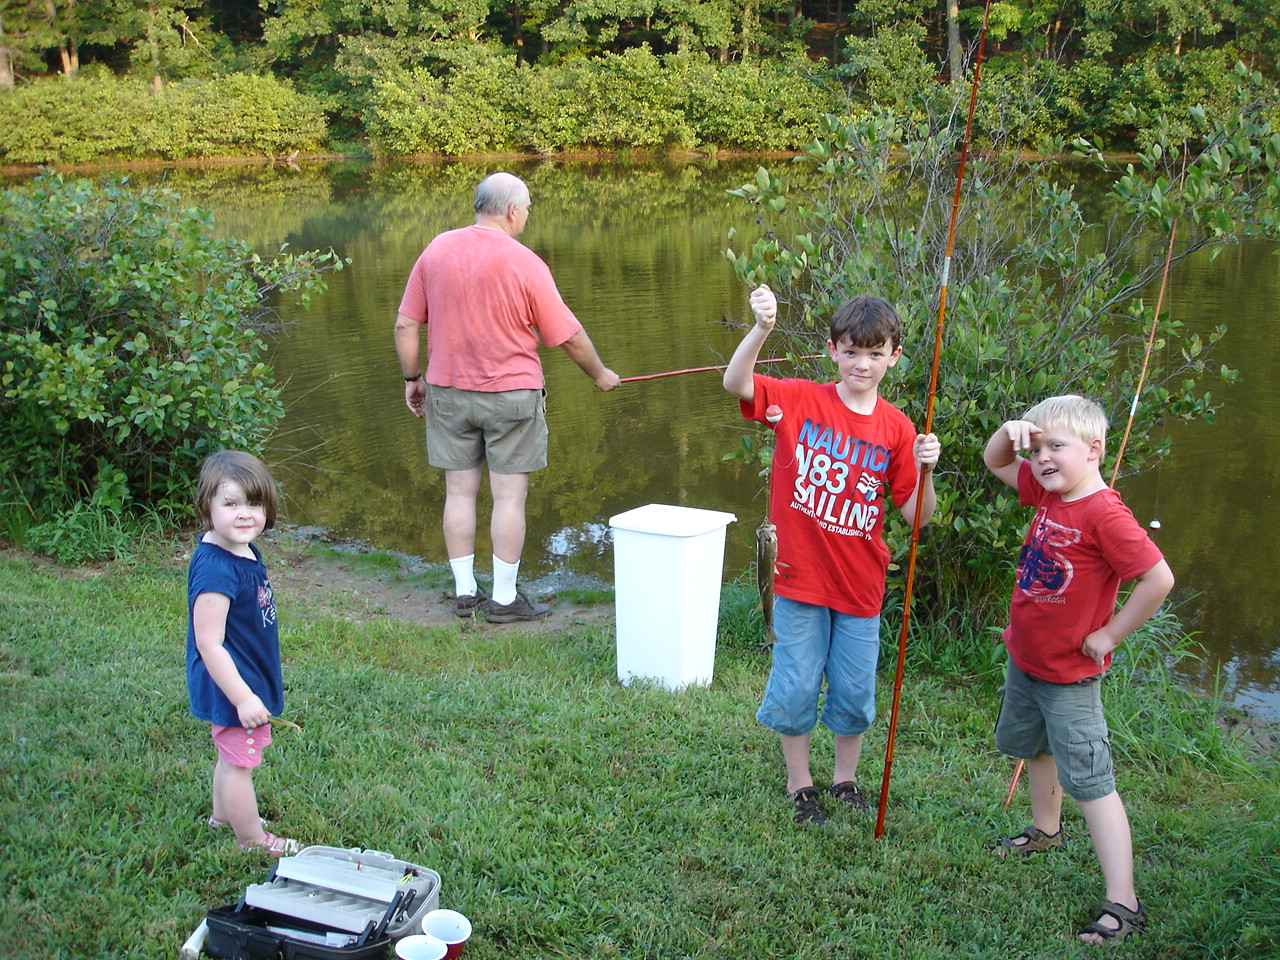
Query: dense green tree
[[1079, 58], [26, 31]]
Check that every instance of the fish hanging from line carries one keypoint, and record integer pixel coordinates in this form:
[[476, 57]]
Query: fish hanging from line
[[766, 566]]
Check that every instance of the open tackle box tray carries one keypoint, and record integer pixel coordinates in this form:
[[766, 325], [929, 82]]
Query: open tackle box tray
[[326, 903]]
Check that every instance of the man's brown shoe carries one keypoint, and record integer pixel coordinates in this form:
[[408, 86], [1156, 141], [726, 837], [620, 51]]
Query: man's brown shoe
[[518, 610]]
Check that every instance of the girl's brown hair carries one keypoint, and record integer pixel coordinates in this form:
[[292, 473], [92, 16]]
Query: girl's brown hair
[[241, 468]]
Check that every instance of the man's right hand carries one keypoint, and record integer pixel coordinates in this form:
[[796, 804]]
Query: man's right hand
[[415, 397], [607, 380]]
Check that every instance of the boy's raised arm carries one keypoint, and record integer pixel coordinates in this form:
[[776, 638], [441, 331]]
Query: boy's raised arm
[[738, 378], [1001, 454]]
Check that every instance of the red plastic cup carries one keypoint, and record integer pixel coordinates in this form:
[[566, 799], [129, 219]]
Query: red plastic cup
[[449, 926]]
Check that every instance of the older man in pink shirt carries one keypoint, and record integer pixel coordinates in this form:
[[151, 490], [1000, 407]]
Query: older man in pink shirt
[[486, 301]]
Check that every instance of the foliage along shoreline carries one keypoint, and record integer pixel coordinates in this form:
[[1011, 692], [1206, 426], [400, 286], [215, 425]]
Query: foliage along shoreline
[[214, 78], [20, 171]]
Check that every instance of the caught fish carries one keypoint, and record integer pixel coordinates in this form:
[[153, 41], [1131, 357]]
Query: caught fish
[[766, 563]]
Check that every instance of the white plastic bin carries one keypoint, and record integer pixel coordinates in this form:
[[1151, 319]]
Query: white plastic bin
[[667, 564]]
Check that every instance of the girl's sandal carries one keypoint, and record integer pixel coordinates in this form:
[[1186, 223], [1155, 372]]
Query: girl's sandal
[[213, 823], [1031, 840], [1131, 922], [271, 845]]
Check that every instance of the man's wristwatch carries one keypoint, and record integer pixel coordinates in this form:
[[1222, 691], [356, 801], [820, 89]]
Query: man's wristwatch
[[416, 376]]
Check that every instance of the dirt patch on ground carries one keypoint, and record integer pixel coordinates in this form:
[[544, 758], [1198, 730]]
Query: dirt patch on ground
[[311, 571], [1259, 736]]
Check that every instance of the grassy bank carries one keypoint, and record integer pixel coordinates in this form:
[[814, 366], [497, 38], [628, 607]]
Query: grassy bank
[[570, 816]]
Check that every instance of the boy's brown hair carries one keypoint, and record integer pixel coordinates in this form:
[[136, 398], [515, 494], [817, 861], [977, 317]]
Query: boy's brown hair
[[241, 468], [866, 321]]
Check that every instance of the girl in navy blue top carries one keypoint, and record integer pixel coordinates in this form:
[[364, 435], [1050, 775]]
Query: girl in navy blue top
[[233, 645]]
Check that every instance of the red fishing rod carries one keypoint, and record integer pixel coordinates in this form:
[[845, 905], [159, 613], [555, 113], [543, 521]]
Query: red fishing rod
[[928, 428]]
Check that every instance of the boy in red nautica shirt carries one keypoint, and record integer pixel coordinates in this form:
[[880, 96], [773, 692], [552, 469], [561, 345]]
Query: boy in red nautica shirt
[[1063, 625], [841, 452]]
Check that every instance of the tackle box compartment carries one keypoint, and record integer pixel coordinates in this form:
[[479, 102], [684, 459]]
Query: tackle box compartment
[[347, 889], [326, 903]]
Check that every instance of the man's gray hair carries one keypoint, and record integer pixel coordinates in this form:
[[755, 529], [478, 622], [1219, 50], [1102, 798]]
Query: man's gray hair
[[497, 192]]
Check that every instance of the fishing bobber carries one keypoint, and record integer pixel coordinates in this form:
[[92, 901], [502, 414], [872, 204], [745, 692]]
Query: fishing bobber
[[773, 413]]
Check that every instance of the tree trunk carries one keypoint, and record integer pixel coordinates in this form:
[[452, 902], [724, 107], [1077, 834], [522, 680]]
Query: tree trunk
[[153, 42], [6, 60], [955, 59], [69, 49], [70, 54]]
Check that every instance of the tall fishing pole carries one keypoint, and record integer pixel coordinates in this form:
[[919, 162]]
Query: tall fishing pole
[[1137, 395], [928, 428]]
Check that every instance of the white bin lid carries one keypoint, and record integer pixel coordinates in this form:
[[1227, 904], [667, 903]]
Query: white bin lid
[[671, 521]]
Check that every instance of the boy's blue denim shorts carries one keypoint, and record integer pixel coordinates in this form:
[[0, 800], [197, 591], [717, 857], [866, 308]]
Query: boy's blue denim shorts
[[1064, 719], [815, 642]]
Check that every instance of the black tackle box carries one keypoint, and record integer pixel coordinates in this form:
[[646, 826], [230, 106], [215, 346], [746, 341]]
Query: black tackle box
[[326, 903]]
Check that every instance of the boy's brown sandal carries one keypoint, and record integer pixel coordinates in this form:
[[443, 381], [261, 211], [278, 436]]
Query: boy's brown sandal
[[1031, 840], [808, 810], [1131, 922], [847, 791]]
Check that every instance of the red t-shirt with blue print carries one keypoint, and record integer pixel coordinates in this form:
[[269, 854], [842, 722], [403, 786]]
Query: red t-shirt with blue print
[[1074, 557]]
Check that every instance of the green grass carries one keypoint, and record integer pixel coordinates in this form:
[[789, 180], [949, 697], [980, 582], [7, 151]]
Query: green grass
[[571, 817]]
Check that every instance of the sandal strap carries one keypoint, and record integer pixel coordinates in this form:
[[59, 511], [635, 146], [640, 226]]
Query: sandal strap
[[1119, 911], [1130, 921]]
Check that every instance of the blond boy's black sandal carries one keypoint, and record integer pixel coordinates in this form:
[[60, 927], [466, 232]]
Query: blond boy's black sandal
[[1131, 921], [1036, 841]]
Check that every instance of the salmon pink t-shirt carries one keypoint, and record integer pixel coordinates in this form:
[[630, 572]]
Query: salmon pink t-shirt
[[486, 300]]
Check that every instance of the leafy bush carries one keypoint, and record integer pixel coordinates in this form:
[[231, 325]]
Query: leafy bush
[[131, 343], [768, 105], [631, 100], [77, 121], [415, 111], [1053, 303], [63, 121]]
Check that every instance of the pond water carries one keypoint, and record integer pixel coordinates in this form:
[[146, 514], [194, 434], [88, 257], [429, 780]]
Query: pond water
[[636, 252]]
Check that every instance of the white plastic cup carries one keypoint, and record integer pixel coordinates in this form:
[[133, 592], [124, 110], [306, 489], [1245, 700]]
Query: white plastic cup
[[449, 926], [421, 947]]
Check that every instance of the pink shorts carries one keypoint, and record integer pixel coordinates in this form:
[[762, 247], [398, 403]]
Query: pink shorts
[[241, 746]]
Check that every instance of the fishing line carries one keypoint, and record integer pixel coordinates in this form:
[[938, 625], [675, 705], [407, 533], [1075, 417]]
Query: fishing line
[[928, 428], [676, 373], [1137, 395]]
